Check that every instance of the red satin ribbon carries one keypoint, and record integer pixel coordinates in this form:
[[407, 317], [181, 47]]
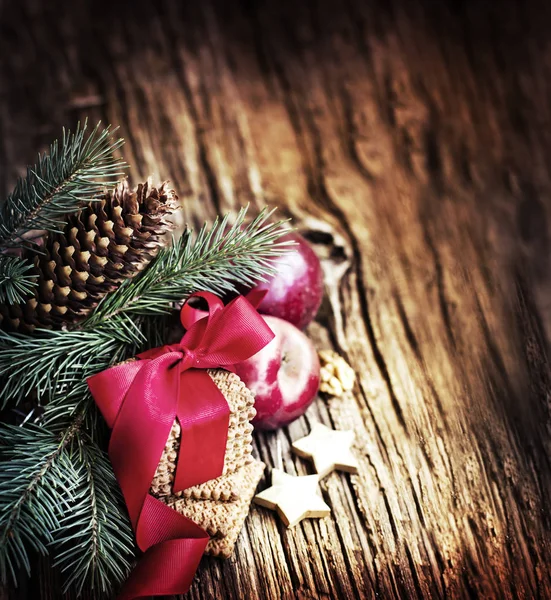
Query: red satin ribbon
[[140, 401]]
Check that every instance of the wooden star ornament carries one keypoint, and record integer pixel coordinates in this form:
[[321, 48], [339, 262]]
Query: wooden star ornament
[[294, 498], [329, 450]]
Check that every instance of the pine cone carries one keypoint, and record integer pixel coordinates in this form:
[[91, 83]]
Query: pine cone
[[101, 246]]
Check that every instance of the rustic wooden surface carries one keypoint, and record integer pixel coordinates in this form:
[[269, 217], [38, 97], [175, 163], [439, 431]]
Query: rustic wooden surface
[[410, 142]]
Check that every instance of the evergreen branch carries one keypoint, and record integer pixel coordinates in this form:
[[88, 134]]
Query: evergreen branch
[[94, 542], [73, 172], [58, 492], [68, 403], [76, 400], [34, 492], [15, 280], [217, 260], [50, 362]]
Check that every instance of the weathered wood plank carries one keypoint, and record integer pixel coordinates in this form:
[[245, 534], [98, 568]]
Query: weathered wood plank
[[409, 141]]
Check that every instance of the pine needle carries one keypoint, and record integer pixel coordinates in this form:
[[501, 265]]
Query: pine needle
[[51, 361], [58, 494], [16, 281]]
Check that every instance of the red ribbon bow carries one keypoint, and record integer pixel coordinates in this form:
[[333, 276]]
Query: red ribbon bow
[[140, 401]]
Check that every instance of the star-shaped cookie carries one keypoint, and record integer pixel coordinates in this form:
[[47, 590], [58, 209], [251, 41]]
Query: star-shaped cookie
[[329, 449], [294, 498]]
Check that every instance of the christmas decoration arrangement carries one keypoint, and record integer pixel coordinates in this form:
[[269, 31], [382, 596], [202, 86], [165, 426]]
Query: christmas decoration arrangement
[[89, 278], [132, 374]]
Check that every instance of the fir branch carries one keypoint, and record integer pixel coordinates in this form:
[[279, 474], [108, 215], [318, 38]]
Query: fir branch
[[34, 492], [50, 362], [73, 172], [217, 260], [93, 545], [58, 492], [16, 281], [68, 403], [76, 400]]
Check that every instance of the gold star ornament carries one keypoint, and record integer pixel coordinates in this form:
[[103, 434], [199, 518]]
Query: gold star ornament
[[294, 498], [330, 450]]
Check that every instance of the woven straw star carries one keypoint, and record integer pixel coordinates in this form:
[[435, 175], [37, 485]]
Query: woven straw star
[[294, 498], [329, 450]]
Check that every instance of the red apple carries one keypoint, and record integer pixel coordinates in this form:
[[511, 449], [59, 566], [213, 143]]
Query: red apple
[[284, 376], [295, 292]]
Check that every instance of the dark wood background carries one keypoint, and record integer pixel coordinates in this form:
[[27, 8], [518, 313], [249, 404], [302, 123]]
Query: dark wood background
[[411, 143]]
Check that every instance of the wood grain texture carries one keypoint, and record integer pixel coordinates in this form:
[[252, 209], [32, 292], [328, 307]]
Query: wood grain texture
[[410, 143]]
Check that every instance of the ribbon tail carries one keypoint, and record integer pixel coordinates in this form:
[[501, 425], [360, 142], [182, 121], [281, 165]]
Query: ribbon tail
[[141, 430], [165, 569], [174, 546]]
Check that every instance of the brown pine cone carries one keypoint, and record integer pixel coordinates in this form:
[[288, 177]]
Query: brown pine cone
[[100, 246]]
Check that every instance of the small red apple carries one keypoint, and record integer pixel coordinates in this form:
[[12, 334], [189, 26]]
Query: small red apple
[[295, 292], [284, 376]]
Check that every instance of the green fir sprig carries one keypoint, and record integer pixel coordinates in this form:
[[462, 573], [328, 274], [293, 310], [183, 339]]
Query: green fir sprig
[[32, 475], [58, 495], [16, 279], [93, 544], [74, 171], [50, 361]]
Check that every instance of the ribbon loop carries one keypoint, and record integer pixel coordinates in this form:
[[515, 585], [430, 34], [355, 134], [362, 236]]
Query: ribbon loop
[[140, 401]]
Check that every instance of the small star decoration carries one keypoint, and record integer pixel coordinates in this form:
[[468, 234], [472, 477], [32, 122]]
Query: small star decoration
[[329, 450], [294, 498]]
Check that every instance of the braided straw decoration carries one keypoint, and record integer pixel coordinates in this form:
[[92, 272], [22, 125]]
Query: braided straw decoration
[[238, 448]]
